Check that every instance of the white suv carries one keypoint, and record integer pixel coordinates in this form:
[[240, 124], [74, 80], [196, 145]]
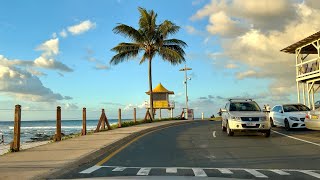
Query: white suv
[[244, 115]]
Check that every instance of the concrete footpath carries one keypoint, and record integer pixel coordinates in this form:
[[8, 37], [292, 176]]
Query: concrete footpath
[[50, 159]]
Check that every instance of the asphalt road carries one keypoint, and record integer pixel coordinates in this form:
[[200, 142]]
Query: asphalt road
[[201, 149]]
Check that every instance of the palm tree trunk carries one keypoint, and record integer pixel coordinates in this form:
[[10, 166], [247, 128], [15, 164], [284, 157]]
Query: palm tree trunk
[[150, 89]]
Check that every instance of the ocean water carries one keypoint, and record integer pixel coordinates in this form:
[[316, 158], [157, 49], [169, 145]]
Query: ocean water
[[31, 129]]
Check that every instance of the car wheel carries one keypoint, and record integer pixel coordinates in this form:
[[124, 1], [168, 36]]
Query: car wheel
[[271, 123], [223, 128], [267, 133], [229, 131], [286, 125]]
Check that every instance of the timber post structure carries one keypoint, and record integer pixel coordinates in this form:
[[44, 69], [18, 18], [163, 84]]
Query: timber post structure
[[119, 118], [307, 55], [15, 145], [58, 124], [84, 122], [161, 100]]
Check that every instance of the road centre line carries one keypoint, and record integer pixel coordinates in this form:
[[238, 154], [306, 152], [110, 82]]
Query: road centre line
[[214, 134], [296, 138]]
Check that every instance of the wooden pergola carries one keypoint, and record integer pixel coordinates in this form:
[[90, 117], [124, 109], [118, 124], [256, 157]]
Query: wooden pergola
[[307, 53]]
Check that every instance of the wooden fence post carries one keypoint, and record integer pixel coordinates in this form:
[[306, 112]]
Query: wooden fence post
[[58, 129], [84, 122], [119, 118], [103, 125], [135, 115], [15, 145]]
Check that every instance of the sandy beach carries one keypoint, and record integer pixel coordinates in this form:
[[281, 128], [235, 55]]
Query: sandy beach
[[4, 148]]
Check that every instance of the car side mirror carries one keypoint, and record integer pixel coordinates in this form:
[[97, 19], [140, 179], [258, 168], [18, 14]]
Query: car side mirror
[[280, 111]]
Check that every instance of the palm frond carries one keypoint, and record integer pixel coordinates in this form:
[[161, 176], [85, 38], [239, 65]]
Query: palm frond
[[167, 28], [143, 59], [173, 54], [123, 56], [123, 47], [128, 31], [147, 23], [175, 42]]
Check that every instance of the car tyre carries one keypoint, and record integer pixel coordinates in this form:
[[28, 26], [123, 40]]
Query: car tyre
[[229, 131], [286, 125], [272, 123], [267, 133]]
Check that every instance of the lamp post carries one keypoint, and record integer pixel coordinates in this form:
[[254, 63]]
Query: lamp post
[[185, 69]]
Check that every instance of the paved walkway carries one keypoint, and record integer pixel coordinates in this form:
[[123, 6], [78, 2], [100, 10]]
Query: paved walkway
[[41, 161]]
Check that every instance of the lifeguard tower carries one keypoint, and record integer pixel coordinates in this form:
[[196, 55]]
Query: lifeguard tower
[[161, 100], [307, 53]]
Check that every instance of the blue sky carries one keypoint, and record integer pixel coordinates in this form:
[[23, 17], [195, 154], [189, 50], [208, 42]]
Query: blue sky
[[58, 53]]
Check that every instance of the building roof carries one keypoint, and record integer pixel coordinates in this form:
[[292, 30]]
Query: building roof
[[306, 50], [160, 89]]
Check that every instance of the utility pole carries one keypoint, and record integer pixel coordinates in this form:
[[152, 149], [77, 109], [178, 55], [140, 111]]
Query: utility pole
[[185, 69]]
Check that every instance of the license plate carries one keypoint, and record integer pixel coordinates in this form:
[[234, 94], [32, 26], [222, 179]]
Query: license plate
[[314, 117], [251, 124]]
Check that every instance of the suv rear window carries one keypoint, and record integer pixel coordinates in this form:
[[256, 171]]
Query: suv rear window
[[244, 106]]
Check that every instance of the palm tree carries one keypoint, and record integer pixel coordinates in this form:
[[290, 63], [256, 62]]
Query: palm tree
[[150, 39]]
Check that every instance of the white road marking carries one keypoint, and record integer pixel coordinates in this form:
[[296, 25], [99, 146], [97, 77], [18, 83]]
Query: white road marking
[[256, 173], [90, 170], [279, 172], [296, 138], [199, 172], [159, 167], [214, 134], [119, 169], [224, 171], [171, 170], [310, 173], [144, 172]]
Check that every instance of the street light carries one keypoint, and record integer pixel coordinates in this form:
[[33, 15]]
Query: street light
[[185, 69]]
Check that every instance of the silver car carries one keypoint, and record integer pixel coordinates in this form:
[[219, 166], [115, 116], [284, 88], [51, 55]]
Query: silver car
[[243, 115], [312, 120]]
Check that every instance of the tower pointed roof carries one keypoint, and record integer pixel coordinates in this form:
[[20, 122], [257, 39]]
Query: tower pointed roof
[[160, 89]]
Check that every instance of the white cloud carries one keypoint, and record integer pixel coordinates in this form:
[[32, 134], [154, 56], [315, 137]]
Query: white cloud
[[196, 2], [50, 50], [191, 30], [81, 28], [50, 47], [63, 33], [231, 66], [246, 74], [70, 106], [36, 72], [101, 67], [220, 23], [258, 48], [22, 84], [43, 62], [262, 14]]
